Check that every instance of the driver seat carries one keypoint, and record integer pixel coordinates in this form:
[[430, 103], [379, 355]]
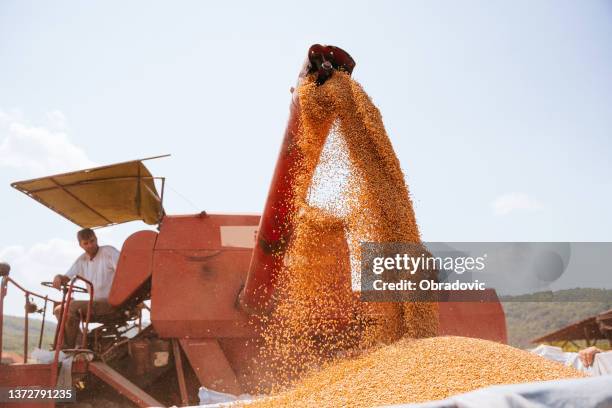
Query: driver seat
[[132, 281], [131, 284]]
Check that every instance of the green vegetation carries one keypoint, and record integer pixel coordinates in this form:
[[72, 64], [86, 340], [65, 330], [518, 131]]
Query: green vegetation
[[528, 317], [13, 330]]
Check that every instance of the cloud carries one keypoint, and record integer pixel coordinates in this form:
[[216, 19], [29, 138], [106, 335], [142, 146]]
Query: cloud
[[32, 265], [39, 150], [56, 119], [511, 202]]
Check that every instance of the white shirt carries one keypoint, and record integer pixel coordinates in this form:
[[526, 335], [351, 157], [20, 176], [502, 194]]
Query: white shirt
[[100, 270]]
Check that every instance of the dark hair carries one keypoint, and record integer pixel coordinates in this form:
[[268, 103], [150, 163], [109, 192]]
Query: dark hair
[[85, 233]]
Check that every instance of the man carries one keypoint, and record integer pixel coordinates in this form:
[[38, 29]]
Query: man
[[97, 264]]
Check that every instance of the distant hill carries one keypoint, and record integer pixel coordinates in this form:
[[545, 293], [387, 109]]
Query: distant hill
[[12, 334], [529, 317]]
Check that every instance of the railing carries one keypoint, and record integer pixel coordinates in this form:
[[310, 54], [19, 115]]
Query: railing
[[64, 310], [28, 310]]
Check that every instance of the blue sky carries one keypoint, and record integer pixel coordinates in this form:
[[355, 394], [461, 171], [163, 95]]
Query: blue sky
[[500, 112]]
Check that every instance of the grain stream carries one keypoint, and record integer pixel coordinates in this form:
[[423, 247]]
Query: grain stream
[[317, 317]]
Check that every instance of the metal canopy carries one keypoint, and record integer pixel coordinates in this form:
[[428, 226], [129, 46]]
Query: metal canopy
[[100, 196]]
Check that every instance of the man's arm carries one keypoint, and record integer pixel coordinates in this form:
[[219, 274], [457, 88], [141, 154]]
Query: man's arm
[[60, 280], [587, 356]]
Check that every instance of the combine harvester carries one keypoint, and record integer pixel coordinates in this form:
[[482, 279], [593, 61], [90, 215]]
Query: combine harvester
[[203, 276]]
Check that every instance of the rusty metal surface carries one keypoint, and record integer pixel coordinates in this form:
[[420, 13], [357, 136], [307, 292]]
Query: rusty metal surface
[[604, 321], [134, 267], [596, 327]]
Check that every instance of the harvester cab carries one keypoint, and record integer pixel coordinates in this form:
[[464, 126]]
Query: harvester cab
[[96, 198], [187, 273]]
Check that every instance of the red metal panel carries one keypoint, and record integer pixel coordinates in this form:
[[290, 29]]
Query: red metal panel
[[197, 231], [483, 320], [245, 359], [211, 366], [275, 229], [27, 375], [134, 266], [194, 291]]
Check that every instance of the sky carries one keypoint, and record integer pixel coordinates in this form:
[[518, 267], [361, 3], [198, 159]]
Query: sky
[[500, 112]]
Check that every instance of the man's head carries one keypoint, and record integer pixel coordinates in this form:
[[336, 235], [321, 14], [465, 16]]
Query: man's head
[[88, 241]]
